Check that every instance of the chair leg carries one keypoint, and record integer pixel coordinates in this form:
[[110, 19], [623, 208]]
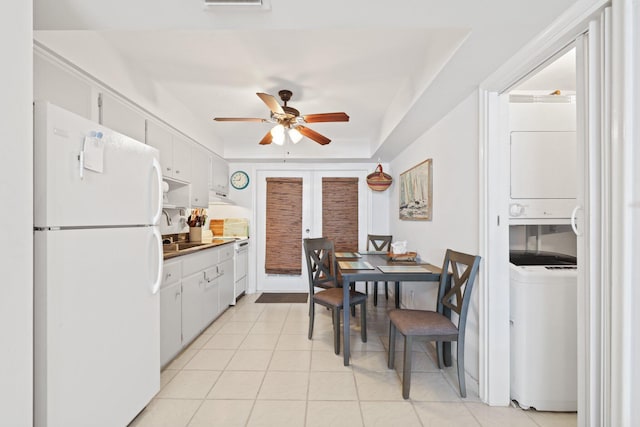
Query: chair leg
[[439, 350], [363, 321], [446, 353], [311, 318], [406, 368], [461, 379], [392, 345], [336, 330], [386, 290]]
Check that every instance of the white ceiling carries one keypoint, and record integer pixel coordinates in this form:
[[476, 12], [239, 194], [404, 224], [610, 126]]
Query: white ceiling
[[394, 67]]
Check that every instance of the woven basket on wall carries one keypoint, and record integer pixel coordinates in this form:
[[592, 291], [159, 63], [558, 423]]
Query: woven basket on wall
[[378, 180]]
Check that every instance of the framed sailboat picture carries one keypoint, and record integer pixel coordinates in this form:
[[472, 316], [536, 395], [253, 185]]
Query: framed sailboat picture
[[415, 192]]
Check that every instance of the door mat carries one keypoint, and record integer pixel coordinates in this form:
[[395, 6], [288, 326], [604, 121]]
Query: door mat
[[287, 297]]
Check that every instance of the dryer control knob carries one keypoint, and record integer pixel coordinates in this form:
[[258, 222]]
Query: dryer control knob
[[516, 209]]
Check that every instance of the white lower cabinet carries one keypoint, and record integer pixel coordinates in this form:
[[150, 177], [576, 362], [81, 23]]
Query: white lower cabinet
[[211, 296], [170, 322], [226, 284], [192, 318], [170, 311], [196, 289]]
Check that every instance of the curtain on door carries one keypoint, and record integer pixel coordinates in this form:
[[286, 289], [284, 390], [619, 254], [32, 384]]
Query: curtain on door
[[283, 244], [340, 212]]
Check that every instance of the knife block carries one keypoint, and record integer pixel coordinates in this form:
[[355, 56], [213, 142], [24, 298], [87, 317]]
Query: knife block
[[195, 234]]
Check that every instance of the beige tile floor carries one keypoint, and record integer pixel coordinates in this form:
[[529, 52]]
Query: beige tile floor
[[254, 366]]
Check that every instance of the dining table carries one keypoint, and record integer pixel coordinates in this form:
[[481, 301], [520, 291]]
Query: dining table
[[373, 266]]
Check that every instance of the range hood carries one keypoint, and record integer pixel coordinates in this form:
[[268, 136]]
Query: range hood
[[216, 198]]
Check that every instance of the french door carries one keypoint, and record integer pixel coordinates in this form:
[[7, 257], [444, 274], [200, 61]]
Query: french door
[[311, 222], [291, 281]]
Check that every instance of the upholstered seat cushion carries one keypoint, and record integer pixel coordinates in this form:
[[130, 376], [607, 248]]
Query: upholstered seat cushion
[[422, 322], [333, 297]]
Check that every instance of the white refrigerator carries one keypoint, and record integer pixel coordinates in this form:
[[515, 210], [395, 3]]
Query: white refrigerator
[[97, 270]]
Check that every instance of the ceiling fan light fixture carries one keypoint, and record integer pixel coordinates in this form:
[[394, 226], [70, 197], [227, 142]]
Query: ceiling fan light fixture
[[277, 130], [278, 138], [287, 120], [295, 135]]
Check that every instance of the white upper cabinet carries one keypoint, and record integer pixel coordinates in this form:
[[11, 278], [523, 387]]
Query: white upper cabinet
[[219, 182], [121, 117], [175, 151], [199, 177], [62, 87], [181, 158], [160, 138]]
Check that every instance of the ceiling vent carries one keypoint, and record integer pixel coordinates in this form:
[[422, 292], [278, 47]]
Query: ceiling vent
[[253, 3]]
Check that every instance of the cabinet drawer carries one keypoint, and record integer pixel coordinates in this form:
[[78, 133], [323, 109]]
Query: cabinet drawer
[[171, 273], [199, 261], [226, 252]]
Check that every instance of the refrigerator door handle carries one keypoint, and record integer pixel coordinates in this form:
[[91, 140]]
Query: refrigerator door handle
[[157, 191], [156, 257]]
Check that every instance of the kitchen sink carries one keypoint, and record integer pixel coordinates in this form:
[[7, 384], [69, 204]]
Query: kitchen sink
[[175, 247]]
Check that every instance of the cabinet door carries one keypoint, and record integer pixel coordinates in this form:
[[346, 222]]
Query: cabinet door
[[210, 302], [181, 159], [219, 175], [199, 177], [61, 87], [170, 322], [225, 269], [117, 115], [160, 138], [192, 315]]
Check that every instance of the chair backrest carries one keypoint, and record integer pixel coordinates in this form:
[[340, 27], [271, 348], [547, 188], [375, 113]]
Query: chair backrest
[[379, 242], [321, 263], [459, 273]]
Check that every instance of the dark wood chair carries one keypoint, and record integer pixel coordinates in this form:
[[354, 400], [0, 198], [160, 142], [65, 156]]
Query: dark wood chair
[[381, 243], [322, 268], [459, 273]]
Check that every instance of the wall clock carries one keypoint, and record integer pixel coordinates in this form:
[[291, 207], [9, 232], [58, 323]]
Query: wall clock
[[239, 180]]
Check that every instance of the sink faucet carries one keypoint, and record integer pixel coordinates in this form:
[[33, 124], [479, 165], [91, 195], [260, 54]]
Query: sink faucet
[[168, 217]]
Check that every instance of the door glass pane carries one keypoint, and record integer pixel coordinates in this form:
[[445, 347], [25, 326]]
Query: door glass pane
[[340, 212]]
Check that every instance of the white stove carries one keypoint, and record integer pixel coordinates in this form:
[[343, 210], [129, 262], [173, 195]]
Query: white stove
[[240, 265]]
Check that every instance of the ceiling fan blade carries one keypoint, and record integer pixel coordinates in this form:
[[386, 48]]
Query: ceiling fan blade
[[312, 134], [271, 102], [266, 140], [326, 117], [239, 119]]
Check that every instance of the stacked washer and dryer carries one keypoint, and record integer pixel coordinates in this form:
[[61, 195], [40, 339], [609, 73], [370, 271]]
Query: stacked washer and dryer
[[543, 264]]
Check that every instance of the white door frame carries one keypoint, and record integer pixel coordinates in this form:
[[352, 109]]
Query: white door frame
[[609, 386], [625, 213], [494, 292]]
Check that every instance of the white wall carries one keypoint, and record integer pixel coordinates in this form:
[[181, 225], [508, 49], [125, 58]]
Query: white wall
[[453, 145], [16, 303]]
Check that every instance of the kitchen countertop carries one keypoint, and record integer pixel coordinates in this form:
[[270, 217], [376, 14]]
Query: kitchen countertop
[[168, 254]]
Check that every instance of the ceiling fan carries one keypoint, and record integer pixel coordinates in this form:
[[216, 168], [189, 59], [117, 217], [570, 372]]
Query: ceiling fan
[[288, 119]]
